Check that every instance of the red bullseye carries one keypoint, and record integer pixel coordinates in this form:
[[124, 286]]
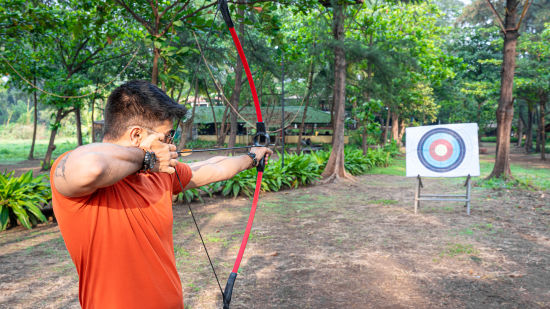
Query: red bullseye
[[441, 150]]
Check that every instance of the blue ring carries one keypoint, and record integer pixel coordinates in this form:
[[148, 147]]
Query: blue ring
[[457, 159]]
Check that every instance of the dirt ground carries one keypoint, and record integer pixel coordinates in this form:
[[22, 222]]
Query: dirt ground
[[351, 245]]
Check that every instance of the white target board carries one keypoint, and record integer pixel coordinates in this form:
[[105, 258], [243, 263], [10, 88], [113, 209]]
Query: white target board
[[450, 150]]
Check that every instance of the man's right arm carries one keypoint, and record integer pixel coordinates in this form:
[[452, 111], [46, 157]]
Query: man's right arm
[[90, 167]]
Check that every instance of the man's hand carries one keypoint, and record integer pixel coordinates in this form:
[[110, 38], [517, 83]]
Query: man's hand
[[165, 153], [261, 152]]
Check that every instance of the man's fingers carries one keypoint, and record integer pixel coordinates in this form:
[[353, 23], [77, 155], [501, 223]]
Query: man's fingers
[[169, 170]]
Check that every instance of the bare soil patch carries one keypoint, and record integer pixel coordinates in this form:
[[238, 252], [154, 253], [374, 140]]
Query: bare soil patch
[[354, 245]]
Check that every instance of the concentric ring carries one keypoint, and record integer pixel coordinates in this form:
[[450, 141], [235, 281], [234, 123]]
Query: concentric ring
[[441, 150]]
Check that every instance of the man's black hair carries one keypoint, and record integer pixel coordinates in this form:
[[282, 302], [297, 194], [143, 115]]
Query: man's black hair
[[138, 103]]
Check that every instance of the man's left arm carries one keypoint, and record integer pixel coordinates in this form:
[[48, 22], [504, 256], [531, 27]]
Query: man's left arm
[[222, 168]]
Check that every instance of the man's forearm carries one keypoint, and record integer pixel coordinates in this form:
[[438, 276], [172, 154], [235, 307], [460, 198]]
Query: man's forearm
[[95, 166], [217, 169], [120, 162]]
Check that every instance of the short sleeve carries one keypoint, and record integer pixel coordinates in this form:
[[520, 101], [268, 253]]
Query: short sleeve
[[185, 174]]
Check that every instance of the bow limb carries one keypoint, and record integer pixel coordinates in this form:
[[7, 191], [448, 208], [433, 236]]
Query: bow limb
[[260, 139]]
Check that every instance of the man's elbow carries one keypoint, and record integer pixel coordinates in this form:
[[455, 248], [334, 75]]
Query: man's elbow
[[94, 169], [82, 177]]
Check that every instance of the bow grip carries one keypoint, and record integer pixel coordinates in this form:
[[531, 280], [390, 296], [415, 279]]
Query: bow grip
[[229, 290], [222, 5], [261, 139]]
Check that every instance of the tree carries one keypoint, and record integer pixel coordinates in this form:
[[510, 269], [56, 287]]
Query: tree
[[505, 111]]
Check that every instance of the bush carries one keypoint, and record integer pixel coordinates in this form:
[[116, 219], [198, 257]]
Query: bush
[[21, 199], [299, 170]]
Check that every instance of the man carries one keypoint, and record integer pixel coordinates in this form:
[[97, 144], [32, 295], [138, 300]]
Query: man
[[113, 201]]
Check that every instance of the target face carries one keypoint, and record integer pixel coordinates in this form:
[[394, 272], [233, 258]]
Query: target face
[[441, 150]]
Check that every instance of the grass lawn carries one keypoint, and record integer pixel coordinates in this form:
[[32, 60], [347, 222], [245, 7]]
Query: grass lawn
[[525, 177], [12, 151]]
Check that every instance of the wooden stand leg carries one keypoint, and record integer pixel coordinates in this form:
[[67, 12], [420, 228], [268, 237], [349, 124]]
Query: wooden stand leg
[[468, 188], [417, 194]]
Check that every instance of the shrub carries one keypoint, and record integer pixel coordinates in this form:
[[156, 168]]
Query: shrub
[[21, 199], [356, 163], [303, 169], [299, 170], [244, 182]]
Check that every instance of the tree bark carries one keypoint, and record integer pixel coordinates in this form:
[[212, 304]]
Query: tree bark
[[334, 169], [505, 110], [35, 123], [187, 127], [520, 129], [401, 131], [529, 132], [223, 127], [364, 144], [395, 126], [155, 71], [78, 126], [538, 133], [46, 164]]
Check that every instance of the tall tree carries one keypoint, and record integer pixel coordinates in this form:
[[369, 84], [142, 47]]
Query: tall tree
[[505, 111]]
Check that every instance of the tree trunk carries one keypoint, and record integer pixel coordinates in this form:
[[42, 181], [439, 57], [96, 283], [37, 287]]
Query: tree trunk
[[401, 131], [304, 115], [187, 127], [505, 110], [395, 126], [538, 133], [334, 169], [529, 133], [78, 126], [386, 128], [520, 129], [364, 144], [155, 72], [46, 164], [236, 95], [543, 97], [35, 123], [223, 129]]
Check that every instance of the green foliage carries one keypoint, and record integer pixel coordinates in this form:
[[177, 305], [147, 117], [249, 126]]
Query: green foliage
[[302, 168], [392, 148], [525, 183], [242, 183], [459, 249], [21, 199], [17, 150], [191, 195], [299, 170]]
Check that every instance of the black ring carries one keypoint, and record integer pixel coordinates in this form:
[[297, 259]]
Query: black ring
[[451, 167]]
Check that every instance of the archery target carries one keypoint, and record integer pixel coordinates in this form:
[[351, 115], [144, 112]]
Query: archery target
[[442, 151]]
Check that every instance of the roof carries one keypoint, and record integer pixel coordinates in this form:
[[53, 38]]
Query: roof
[[271, 115]]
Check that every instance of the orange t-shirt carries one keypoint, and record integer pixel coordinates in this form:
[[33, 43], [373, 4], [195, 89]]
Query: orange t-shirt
[[120, 240]]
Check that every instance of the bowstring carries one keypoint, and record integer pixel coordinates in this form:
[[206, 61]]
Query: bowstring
[[178, 177], [200, 235]]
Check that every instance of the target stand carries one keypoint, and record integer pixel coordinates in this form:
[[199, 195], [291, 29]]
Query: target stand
[[418, 196], [442, 151]]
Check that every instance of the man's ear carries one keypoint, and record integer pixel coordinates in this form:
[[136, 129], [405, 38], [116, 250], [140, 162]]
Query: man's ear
[[136, 136]]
